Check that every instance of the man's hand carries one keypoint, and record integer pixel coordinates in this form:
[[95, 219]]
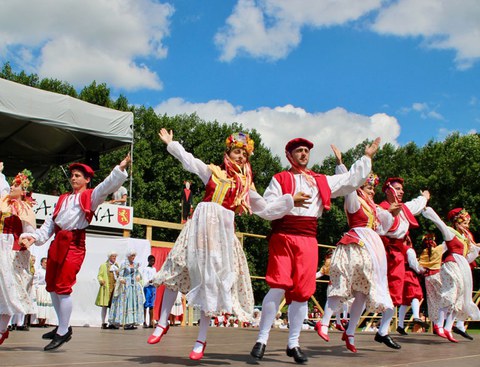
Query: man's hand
[[166, 136], [125, 163], [425, 194], [300, 200], [371, 149]]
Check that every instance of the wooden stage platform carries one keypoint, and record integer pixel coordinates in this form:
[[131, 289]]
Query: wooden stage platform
[[230, 347]]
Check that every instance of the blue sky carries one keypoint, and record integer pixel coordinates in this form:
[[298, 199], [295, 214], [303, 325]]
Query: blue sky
[[331, 71]]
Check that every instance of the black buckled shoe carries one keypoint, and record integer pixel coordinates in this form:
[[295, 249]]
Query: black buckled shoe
[[401, 331], [456, 330], [59, 340], [258, 350], [50, 334], [297, 354], [387, 340]]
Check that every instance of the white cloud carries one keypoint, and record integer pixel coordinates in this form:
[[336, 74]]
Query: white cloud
[[84, 40], [443, 24], [272, 28], [424, 110], [280, 124]]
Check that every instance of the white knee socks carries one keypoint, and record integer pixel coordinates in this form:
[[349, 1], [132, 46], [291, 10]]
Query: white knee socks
[[270, 306], [296, 314], [168, 300]]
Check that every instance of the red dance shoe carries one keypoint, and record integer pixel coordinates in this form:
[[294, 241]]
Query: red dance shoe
[[339, 327], [198, 355], [439, 331], [350, 347], [318, 328], [4, 336], [449, 336], [153, 339]]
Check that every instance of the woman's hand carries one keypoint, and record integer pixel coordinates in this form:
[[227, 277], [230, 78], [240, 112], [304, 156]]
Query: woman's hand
[[166, 136]]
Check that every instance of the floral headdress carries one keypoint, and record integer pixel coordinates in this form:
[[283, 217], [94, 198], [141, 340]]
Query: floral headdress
[[372, 180], [24, 179], [240, 140]]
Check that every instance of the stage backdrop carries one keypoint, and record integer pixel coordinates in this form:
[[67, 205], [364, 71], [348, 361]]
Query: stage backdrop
[[85, 313]]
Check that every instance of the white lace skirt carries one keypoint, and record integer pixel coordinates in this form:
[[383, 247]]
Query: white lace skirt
[[207, 263], [433, 286]]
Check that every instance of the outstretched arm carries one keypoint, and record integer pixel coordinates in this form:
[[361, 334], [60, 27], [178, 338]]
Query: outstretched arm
[[429, 213]]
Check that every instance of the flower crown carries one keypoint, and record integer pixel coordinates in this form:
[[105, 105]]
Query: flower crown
[[24, 179], [372, 180], [428, 237], [240, 140]]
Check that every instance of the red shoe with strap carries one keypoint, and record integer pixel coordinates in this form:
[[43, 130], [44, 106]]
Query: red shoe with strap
[[153, 339], [439, 331], [4, 336], [198, 355], [345, 338], [449, 336], [321, 334], [339, 327]]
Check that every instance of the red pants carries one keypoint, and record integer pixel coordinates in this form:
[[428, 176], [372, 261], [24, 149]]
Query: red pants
[[65, 258], [396, 274], [411, 287], [292, 265]]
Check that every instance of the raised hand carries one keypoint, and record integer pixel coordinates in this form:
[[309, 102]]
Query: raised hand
[[126, 162], [371, 149], [166, 136], [337, 153]]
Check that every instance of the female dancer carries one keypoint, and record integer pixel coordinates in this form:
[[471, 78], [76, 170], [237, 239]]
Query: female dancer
[[207, 262], [456, 278], [359, 267], [15, 279]]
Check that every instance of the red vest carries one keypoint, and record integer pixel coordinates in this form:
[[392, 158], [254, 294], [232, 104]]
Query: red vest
[[396, 221], [286, 180], [85, 204]]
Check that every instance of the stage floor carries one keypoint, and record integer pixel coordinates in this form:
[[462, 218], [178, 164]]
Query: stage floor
[[230, 347]]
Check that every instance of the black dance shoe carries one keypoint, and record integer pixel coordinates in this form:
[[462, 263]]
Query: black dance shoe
[[258, 350], [387, 340], [59, 340], [297, 354], [401, 331], [456, 330], [50, 334]]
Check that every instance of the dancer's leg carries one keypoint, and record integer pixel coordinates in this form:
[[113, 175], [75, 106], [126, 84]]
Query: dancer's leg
[[296, 315], [270, 306], [168, 300]]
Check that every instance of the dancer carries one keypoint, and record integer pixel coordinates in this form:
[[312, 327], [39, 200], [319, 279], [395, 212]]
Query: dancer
[[293, 248], [15, 278], [207, 262], [107, 277], [395, 241], [460, 220], [431, 260], [73, 213], [456, 278], [412, 290], [359, 266]]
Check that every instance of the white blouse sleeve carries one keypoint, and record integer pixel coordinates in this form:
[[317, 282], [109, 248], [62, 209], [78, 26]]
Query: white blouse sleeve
[[273, 209], [189, 162], [385, 221], [112, 182]]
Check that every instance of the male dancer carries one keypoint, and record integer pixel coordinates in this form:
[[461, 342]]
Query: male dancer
[[293, 248], [72, 215], [396, 245]]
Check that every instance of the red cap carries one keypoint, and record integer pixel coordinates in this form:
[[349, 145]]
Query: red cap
[[298, 142], [87, 170], [453, 213], [390, 181]]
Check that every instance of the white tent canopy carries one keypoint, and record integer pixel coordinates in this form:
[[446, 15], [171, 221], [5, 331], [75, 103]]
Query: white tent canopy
[[39, 129]]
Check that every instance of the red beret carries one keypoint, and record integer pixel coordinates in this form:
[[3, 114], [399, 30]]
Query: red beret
[[390, 181], [453, 213], [87, 170], [298, 142]]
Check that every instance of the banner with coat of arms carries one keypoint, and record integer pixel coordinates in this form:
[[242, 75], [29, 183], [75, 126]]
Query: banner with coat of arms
[[106, 215]]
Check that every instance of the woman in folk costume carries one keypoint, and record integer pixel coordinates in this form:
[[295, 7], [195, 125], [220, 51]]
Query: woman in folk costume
[[359, 267], [207, 262], [15, 278], [460, 220], [456, 279], [128, 297], [431, 260]]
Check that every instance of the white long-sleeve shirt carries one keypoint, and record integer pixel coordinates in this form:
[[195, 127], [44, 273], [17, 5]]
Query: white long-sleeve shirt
[[340, 185], [71, 216], [274, 209]]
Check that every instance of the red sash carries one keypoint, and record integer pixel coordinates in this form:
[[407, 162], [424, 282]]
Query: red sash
[[295, 225]]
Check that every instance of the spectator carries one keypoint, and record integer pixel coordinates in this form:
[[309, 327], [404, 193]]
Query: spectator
[[150, 291], [107, 277]]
